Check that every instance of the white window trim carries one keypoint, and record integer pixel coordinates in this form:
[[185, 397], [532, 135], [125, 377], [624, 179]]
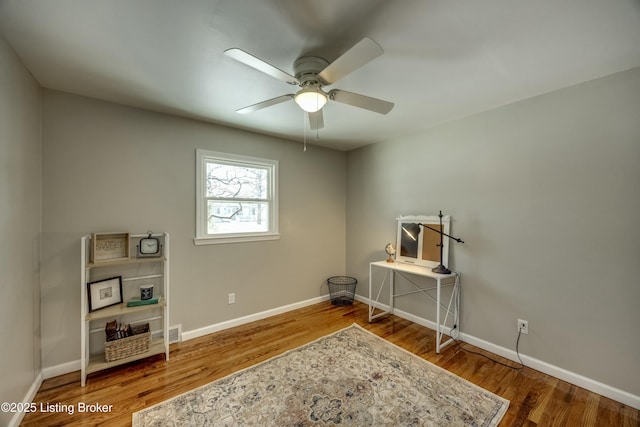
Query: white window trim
[[202, 238]]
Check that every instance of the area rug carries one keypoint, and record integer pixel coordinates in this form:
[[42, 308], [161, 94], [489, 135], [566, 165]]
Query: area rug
[[349, 378]]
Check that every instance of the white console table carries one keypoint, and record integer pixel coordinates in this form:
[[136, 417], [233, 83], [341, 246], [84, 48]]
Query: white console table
[[404, 270]]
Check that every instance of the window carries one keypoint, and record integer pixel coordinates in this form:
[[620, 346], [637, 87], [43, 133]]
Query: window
[[236, 198]]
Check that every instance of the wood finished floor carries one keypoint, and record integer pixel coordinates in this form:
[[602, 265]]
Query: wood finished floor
[[536, 399]]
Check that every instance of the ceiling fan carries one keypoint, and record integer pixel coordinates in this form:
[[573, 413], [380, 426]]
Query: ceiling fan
[[311, 74]]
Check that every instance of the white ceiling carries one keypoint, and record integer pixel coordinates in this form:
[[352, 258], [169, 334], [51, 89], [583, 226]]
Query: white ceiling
[[444, 59]]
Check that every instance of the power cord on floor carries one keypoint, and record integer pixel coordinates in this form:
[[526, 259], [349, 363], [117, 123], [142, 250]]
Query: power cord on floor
[[458, 343]]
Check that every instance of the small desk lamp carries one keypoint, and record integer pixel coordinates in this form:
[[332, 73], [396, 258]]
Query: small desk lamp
[[441, 269]]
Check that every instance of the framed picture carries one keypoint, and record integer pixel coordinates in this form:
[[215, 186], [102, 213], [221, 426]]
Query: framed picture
[[104, 293], [109, 247]]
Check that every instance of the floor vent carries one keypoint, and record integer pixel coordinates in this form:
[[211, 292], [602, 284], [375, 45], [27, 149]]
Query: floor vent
[[175, 334]]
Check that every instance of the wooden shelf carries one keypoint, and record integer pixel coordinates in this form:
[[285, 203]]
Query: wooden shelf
[[124, 262], [98, 363], [122, 309]]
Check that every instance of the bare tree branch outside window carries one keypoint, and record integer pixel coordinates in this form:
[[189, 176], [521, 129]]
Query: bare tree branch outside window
[[235, 194]]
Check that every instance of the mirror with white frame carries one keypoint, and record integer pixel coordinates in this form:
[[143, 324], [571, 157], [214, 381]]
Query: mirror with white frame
[[419, 245]]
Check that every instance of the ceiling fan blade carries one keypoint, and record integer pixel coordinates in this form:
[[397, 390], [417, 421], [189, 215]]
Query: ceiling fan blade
[[364, 51], [265, 104], [361, 101], [316, 120], [257, 63]]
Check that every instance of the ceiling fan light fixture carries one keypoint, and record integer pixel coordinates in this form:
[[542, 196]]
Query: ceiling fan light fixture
[[311, 99]]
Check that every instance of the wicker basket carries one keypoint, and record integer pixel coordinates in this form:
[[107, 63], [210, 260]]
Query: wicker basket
[[125, 347]]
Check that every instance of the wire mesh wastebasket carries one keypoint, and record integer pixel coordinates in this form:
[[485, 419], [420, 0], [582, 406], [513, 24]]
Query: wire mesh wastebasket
[[342, 289]]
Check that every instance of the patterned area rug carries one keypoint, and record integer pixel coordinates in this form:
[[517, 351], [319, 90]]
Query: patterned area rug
[[351, 377]]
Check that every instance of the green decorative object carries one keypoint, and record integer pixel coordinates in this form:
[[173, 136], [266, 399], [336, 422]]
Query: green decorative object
[[135, 302]]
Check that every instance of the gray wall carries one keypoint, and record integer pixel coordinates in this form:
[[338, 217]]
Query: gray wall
[[20, 192], [545, 194], [111, 168]]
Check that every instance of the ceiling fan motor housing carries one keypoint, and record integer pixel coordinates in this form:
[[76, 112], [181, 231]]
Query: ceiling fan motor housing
[[307, 68]]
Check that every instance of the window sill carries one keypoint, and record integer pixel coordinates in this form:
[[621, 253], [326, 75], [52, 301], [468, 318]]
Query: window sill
[[200, 241]]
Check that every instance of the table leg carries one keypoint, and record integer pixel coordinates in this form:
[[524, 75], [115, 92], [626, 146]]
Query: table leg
[[438, 330]]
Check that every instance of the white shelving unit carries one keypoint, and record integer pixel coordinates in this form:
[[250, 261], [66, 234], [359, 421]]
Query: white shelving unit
[[135, 271]]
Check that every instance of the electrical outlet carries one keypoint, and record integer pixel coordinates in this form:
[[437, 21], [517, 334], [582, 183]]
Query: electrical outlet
[[232, 298], [523, 326]]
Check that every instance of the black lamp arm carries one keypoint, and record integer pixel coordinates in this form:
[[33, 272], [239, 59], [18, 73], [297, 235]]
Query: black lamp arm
[[441, 232]]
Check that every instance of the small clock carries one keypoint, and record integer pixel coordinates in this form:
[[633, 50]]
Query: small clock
[[149, 247]]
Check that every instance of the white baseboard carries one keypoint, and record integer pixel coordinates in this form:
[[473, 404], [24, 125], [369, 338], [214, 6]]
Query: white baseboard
[[28, 398], [75, 365], [539, 365], [64, 368], [250, 318], [405, 315], [555, 371]]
